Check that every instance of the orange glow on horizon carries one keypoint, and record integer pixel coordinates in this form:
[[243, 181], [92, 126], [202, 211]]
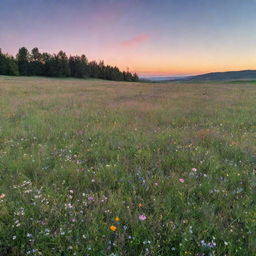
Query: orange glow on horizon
[[187, 69], [151, 38]]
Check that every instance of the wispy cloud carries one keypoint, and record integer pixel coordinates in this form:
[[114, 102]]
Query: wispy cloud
[[135, 40]]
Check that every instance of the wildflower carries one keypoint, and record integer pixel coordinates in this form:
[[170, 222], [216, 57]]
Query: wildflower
[[14, 237], [142, 217], [208, 245], [140, 205], [29, 235], [113, 228], [68, 206], [194, 170], [90, 198], [181, 180], [211, 244], [2, 196], [117, 219]]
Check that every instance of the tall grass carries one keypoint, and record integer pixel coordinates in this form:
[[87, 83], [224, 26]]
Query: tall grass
[[109, 168]]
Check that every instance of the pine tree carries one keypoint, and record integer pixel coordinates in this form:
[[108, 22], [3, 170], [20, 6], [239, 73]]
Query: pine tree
[[23, 61]]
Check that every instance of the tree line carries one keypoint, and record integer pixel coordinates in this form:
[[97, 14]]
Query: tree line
[[35, 63]]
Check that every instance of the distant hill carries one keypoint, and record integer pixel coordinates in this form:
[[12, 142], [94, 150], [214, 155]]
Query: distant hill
[[216, 76], [230, 75]]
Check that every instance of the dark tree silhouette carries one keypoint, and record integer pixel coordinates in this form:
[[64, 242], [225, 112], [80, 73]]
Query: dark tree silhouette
[[35, 65], [62, 64], [78, 66], [8, 65], [59, 65], [23, 61]]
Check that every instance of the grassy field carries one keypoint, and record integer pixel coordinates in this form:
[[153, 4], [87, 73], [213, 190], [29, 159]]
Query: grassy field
[[112, 168]]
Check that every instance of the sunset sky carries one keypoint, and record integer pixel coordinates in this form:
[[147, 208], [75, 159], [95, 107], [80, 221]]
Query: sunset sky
[[151, 37]]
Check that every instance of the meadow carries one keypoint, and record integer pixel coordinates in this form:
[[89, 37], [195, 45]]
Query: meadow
[[93, 167]]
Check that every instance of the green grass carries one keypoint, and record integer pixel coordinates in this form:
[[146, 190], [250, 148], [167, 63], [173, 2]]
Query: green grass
[[76, 154]]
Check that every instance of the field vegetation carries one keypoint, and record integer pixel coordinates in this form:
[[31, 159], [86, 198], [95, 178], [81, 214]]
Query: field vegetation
[[93, 167]]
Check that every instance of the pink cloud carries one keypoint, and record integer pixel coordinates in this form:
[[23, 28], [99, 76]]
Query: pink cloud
[[135, 40]]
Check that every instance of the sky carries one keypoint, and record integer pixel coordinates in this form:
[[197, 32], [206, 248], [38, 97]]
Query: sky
[[150, 37]]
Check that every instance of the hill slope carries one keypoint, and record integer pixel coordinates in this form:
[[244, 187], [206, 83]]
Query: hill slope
[[230, 75]]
